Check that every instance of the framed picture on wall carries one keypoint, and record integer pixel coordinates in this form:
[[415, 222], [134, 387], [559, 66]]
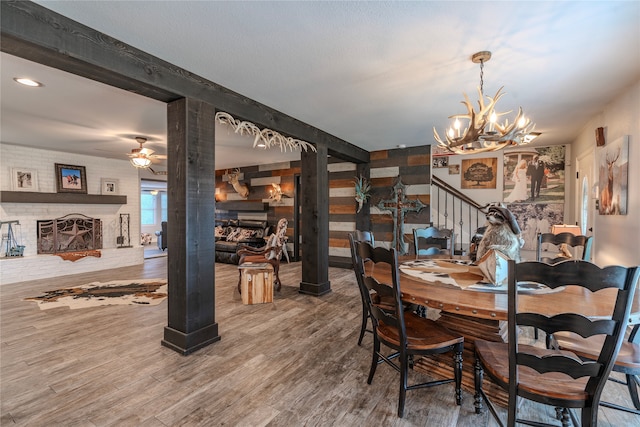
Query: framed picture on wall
[[71, 179], [613, 177], [454, 169], [440, 162], [109, 186], [24, 179], [479, 173]]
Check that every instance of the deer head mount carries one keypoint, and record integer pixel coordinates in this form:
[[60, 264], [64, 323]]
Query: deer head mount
[[606, 198], [241, 189]]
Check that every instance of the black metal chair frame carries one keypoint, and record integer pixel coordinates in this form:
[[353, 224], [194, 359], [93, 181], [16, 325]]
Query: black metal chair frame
[[574, 272], [387, 319]]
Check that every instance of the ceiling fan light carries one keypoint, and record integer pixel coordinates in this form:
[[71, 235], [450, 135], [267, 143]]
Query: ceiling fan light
[[141, 162]]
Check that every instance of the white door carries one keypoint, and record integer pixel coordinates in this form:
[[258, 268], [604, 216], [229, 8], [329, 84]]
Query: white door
[[586, 192]]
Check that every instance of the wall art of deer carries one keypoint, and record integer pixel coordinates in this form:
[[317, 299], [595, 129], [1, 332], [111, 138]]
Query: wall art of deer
[[606, 196], [241, 189]]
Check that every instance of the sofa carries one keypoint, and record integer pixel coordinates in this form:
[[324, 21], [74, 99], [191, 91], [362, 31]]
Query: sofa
[[230, 234]]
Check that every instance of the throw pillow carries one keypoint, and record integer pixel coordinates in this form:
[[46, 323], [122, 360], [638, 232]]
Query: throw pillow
[[233, 235], [246, 234], [219, 231]]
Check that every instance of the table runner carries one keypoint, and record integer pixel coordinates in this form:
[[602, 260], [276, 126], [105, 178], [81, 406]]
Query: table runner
[[462, 274]]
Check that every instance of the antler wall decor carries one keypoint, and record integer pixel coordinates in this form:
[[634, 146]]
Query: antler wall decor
[[267, 136]]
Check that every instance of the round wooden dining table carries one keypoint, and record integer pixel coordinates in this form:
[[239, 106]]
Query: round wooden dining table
[[478, 314]]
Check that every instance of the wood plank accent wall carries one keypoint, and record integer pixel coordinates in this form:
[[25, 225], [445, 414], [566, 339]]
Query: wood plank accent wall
[[412, 164], [259, 179]]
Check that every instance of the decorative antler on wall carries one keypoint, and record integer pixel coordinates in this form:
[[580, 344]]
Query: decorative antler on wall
[[276, 192], [267, 136]]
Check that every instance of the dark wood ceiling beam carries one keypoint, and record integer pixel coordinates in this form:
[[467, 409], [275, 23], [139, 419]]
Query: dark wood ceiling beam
[[38, 34]]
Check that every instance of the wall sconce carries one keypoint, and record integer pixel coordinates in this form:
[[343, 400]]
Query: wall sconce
[[217, 195], [276, 192]]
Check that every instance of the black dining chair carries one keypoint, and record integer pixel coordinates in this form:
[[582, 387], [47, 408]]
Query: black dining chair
[[402, 331], [432, 241], [361, 236], [557, 240], [550, 376], [627, 362], [559, 243]]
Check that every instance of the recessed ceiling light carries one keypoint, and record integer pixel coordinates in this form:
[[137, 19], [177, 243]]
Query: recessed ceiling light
[[27, 82]]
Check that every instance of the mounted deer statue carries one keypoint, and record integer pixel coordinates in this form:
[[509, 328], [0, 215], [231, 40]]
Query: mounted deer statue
[[606, 201], [241, 189]]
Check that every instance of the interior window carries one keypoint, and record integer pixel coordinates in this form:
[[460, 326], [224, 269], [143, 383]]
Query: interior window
[[147, 208], [163, 206]]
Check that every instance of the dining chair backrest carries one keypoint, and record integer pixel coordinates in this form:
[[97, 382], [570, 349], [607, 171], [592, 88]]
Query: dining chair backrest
[[432, 241], [365, 253], [592, 278], [365, 295], [568, 239]]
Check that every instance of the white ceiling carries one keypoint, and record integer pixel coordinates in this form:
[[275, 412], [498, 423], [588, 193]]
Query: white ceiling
[[376, 74]]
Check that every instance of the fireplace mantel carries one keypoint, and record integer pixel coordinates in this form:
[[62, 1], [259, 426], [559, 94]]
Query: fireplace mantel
[[75, 198]]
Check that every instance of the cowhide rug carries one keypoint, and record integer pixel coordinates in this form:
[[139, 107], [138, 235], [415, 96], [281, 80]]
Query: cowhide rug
[[117, 292]]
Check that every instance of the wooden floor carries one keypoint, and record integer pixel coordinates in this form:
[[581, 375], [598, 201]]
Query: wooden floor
[[291, 363]]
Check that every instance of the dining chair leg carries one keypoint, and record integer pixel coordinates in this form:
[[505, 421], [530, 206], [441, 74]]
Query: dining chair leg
[[633, 382], [457, 372], [477, 382], [365, 319], [589, 417], [375, 358], [404, 373]]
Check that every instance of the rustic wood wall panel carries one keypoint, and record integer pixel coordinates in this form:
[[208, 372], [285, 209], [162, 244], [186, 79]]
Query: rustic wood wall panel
[[259, 179], [412, 164]]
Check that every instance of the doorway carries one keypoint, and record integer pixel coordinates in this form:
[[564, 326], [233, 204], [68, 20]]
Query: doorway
[[586, 193]]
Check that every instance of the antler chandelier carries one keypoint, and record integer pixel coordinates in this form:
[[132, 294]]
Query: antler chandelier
[[265, 137], [483, 132]]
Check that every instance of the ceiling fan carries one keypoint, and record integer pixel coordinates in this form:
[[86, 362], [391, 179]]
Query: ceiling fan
[[142, 157]]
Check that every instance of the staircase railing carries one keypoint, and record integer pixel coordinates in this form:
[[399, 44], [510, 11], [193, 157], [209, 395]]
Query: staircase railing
[[454, 210]]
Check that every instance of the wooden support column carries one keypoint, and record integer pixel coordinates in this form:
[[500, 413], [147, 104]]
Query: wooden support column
[[363, 218], [315, 222], [190, 220]]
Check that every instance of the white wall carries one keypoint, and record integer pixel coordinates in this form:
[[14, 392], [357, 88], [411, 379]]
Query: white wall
[[33, 266], [617, 237]]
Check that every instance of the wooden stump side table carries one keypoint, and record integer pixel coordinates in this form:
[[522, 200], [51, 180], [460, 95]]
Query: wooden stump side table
[[256, 283]]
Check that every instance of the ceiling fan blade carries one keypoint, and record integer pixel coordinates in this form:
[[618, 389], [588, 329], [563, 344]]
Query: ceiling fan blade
[[146, 151], [159, 156]]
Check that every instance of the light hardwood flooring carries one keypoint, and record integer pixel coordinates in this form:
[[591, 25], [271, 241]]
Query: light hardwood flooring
[[294, 362]]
